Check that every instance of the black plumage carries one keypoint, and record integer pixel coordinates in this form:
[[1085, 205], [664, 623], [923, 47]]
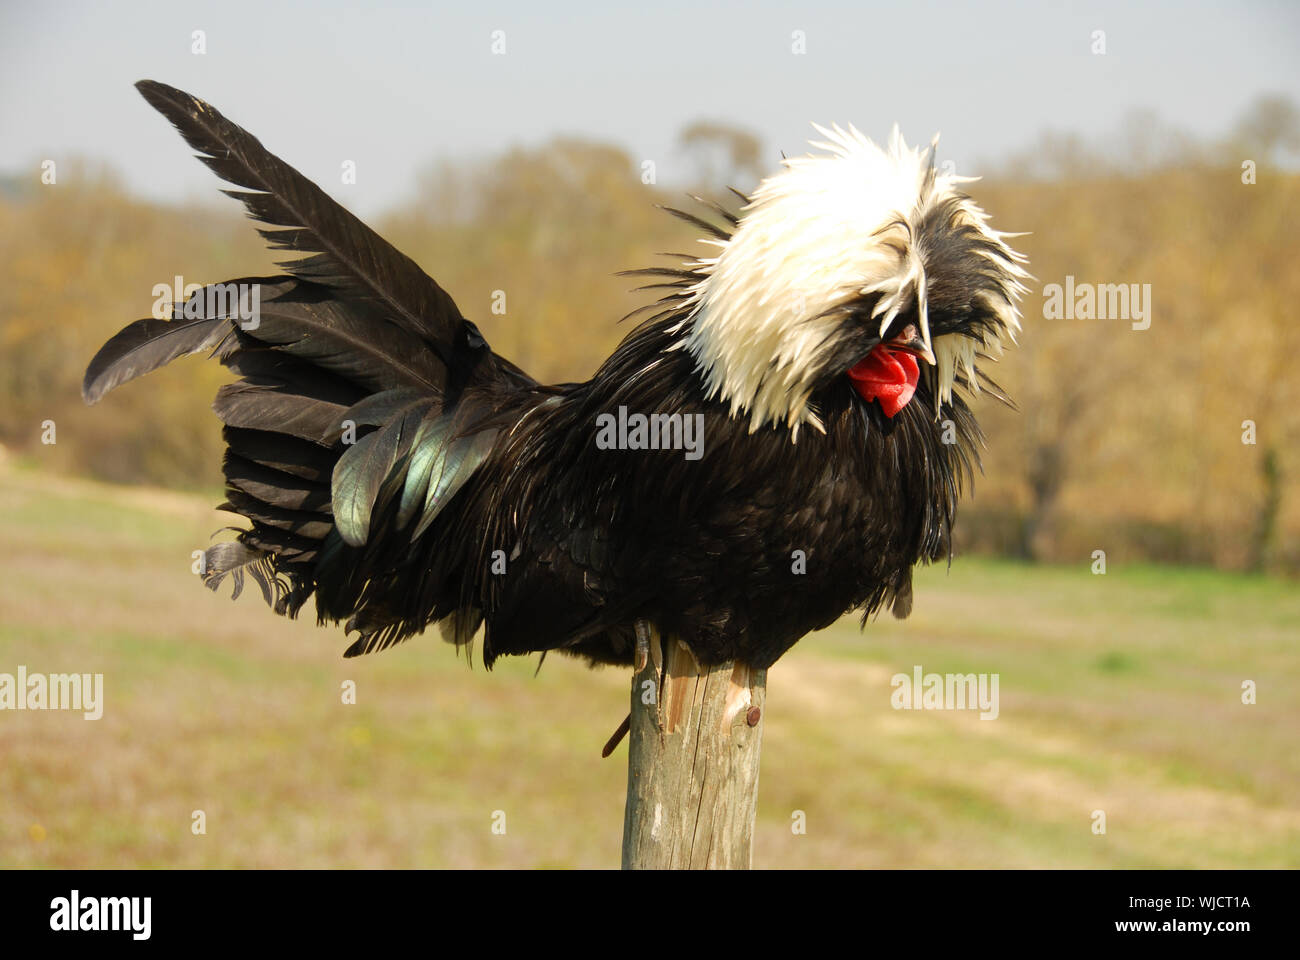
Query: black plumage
[[401, 472]]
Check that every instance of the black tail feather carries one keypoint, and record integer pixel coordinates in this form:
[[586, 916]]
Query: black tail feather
[[276, 487], [362, 408], [348, 255], [233, 559], [148, 344], [298, 458], [279, 406]]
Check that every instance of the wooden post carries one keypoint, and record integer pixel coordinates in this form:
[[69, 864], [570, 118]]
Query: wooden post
[[692, 769]]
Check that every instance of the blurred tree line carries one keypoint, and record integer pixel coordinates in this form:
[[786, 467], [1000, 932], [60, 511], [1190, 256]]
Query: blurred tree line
[[1125, 440]]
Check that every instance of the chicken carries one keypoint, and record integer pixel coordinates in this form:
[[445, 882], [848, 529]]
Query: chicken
[[782, 440]]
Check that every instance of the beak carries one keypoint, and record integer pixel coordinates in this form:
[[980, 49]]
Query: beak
[[910, 341]]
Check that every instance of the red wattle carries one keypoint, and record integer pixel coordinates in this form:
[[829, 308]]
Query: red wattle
[[886, 375]]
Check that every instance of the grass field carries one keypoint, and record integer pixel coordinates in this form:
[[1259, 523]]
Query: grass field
[[1119, 693]]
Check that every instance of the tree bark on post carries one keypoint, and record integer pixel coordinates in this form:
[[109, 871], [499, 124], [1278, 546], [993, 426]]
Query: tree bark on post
[[692, 771]]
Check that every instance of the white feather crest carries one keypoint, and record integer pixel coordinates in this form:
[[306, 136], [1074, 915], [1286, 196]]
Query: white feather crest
[[823, 229]]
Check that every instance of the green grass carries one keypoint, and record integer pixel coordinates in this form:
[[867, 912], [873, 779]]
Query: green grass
[[1119, 693]]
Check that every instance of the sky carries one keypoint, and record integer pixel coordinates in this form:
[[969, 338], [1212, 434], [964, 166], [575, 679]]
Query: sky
[[393, 87]]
